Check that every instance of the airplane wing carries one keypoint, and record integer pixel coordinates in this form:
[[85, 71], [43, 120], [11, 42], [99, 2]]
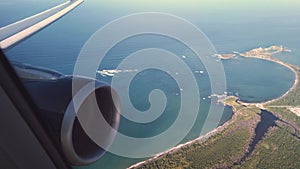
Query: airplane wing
[[20, 30], [51, 112]]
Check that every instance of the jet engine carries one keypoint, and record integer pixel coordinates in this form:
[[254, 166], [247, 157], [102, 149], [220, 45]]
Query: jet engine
[[59, 104]]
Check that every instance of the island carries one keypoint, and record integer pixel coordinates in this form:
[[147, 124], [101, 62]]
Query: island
[[225, 56], [258, 135]]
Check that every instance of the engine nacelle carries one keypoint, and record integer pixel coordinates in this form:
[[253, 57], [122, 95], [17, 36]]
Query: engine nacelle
[[53, 94]]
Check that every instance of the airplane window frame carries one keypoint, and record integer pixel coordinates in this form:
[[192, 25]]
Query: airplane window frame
[[13, 86]]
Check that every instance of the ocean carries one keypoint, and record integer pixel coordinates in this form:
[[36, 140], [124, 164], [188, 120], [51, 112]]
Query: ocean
[[237, 27]]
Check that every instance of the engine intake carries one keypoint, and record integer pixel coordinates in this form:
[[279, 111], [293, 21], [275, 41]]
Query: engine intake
[[55, 96]]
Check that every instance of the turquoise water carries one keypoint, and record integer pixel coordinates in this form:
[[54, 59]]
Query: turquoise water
[[229, 29]]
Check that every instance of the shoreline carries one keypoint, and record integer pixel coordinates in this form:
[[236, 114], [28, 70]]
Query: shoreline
[[287, 65], [198, 139], [234, 115]]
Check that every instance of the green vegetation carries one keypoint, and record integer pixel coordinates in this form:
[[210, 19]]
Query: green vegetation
[[278, 150], [220, 150], [232, 101], [207, 154], [285, 114], [223, 152]]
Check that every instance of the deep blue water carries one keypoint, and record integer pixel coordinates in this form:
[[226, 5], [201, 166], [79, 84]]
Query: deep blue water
[[229, 29]]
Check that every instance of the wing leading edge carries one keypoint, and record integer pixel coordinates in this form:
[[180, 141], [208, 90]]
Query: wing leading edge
[[20, 30]]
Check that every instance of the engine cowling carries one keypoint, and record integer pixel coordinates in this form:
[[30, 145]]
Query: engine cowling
[[54, 95]]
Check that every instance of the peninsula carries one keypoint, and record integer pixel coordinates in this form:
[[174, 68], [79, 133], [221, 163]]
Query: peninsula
[[259, 135]]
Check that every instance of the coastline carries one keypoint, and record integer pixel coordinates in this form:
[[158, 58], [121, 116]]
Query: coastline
[[198, 139], [287, 65], [260, 105]]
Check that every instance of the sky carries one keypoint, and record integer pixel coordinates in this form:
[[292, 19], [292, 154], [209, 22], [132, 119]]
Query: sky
[[181, 6], [192, 7], [195, 4]]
